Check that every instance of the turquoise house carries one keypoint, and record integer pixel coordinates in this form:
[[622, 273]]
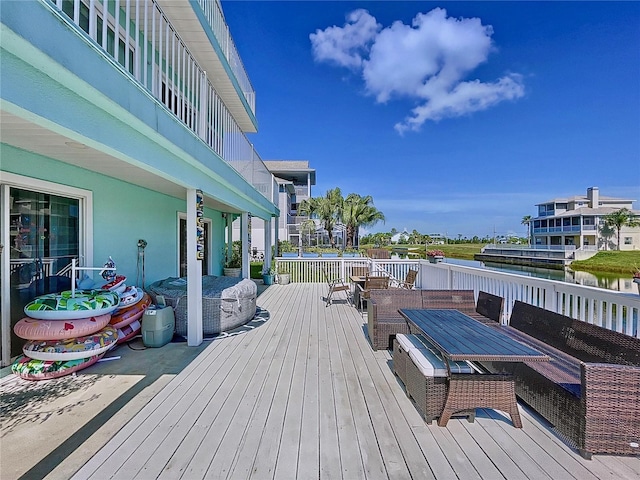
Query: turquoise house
[[117, 118]]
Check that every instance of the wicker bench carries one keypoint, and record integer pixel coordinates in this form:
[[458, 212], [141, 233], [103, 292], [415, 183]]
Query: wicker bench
[[421, 368], [590, 390], [384, 321]]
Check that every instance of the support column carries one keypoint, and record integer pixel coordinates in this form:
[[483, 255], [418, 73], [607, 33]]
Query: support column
[[267, 242], [194, 274], [244, 249], [276, 238]]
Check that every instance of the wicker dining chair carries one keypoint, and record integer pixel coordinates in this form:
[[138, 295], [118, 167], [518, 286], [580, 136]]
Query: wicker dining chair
[[372, 283], [336, 285], [359, 271]]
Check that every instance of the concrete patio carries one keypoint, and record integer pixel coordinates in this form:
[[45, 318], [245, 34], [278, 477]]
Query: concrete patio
[[302, 396]]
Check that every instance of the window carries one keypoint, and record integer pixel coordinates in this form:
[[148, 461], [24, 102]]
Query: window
[[628, 241]]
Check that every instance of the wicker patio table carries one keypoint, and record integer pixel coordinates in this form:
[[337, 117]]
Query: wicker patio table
[[460, 337]]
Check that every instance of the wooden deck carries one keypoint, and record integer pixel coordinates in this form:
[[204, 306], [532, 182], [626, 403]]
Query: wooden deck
[[304, 396]]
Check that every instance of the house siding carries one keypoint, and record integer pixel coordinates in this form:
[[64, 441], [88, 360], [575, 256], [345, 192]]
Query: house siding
[[122, 214]]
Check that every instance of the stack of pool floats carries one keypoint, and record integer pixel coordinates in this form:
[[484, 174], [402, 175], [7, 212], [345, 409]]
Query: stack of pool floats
[[68, 332]]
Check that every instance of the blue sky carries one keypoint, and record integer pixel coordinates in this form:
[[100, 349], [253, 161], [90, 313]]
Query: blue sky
[[456, 117]]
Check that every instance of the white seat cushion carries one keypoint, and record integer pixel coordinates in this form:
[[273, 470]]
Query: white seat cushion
[[431, 363], [409, 342], [428, 364]]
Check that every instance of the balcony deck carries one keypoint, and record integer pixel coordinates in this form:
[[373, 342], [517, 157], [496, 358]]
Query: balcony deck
[[305, 396]]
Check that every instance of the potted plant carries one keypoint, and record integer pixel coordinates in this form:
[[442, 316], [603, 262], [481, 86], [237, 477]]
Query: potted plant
[[232, 266], [268, 275], [435, 256], [284, 277]]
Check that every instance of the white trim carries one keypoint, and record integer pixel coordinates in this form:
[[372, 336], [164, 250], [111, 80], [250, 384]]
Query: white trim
[[85, 237]]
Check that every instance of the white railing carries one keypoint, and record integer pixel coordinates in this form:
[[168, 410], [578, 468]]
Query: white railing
[[513, 246], [142, 42], [213, 12], [311, 270], [606, 308]]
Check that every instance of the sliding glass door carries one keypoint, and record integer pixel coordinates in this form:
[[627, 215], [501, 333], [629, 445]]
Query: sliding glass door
[[44, 234]]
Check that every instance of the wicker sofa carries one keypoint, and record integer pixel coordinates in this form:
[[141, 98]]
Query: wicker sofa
[[384, 321], [590, 390]]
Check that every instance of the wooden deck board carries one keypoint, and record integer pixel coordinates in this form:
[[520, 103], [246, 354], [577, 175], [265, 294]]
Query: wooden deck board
[[305, 396], [330, 466]]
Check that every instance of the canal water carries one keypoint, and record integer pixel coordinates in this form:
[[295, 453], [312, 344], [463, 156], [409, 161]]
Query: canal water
[[610, 281]]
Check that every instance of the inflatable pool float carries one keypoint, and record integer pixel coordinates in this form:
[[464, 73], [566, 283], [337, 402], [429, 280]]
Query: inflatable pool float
[[34, 329], [119, 289], [31, 369], [62, 306], [130, 296], [71, 348], [127, 332], [115, 283], [127, 315]]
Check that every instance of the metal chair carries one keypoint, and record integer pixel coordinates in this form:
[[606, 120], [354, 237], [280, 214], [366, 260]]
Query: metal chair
[[336, 285]]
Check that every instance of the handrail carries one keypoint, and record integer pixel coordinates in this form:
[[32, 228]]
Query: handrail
[[606, 308]]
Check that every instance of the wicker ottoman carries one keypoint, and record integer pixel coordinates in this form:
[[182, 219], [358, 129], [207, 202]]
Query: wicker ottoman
[[427, 383], [402, 344], [400, 359]]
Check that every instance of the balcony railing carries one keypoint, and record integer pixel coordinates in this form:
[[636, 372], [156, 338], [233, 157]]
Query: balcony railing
[[566, 228], [139, 37], [213, 12], [510, 246], [606, 308]]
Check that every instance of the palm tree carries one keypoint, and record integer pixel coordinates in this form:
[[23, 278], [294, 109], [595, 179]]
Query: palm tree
[[526, 220], [621, 218], [307, 227], [359, 212], [327, 209]]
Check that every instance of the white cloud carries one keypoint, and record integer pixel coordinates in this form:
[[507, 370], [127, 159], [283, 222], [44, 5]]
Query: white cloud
[[428, 61], [345, 45]]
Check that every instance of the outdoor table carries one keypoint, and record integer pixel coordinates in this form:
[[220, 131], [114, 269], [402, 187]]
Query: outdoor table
[[461, 338]]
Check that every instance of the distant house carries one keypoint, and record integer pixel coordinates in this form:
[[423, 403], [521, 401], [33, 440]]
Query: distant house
[[579, 221], [402, 236], [123, 135]]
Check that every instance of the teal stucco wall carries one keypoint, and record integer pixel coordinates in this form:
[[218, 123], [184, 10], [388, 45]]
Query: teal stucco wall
[[122, 214]]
